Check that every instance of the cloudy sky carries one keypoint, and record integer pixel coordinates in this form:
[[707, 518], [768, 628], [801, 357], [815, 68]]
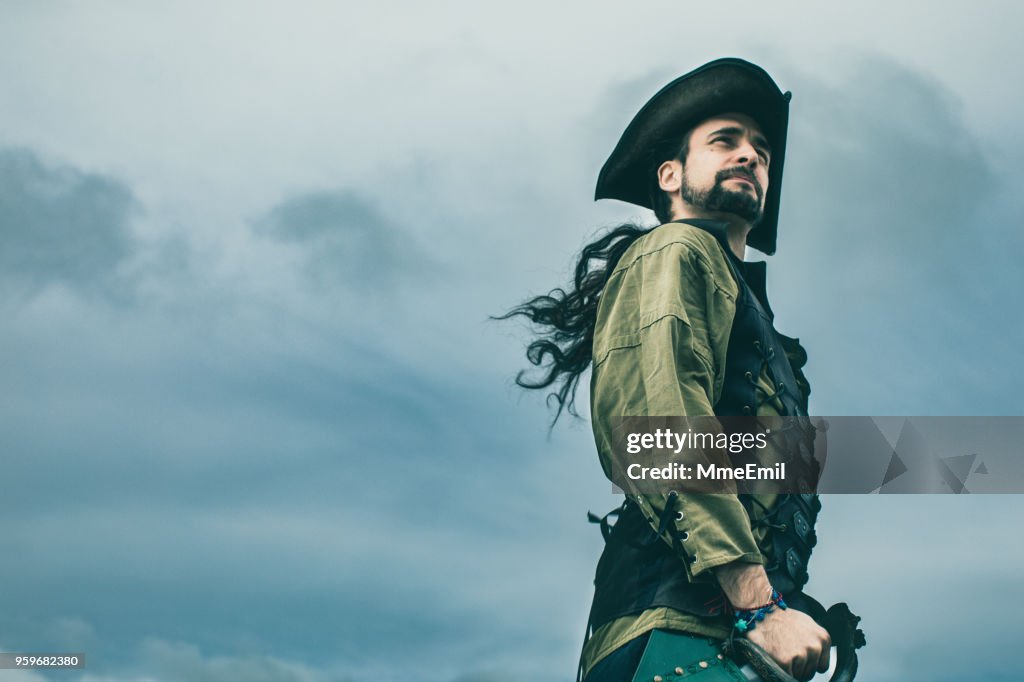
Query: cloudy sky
[[254, 421]]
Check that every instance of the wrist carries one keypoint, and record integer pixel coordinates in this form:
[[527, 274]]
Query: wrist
[[745, 585], [747, 619]]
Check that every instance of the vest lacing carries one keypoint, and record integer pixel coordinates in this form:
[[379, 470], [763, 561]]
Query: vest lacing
[[768, 517], [766, 359]]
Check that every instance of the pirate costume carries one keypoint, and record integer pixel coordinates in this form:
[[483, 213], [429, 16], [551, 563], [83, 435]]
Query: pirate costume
[[684, 328]]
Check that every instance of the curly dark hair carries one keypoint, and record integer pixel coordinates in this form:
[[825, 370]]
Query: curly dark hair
[[566, 319]]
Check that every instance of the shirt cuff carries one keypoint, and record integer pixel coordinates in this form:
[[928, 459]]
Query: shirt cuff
[[713, 530]]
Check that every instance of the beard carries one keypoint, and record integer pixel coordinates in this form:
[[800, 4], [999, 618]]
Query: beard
[[718, 198]]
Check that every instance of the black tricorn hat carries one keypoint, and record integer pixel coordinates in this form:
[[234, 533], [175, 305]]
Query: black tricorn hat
[[655, 133]]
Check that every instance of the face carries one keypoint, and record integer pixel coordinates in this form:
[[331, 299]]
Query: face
[[726, 167]]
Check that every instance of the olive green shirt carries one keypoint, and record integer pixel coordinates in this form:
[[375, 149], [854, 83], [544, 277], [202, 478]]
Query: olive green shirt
[[660, 343]]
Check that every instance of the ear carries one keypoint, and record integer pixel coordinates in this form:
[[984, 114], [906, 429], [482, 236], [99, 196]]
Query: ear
[[670, 176]]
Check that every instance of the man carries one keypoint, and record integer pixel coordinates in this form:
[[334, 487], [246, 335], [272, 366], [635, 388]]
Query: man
[[676, 324]]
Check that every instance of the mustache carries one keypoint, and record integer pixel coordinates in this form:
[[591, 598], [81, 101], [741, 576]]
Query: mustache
[[739, 172]]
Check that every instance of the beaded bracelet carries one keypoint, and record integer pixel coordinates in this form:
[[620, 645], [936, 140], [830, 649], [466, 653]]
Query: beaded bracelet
[[746, 619]]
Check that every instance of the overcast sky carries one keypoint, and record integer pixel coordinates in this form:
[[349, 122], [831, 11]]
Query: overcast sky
[[255, 422]]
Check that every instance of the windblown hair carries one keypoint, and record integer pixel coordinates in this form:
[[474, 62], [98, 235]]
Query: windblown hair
[[567, 319]]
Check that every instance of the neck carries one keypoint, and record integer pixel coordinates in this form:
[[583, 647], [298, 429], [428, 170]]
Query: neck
[[736, 228]]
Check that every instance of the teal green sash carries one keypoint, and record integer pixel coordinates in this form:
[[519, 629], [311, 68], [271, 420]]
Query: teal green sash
[[673, 656]]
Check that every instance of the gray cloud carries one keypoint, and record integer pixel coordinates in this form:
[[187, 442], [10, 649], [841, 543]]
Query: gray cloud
[[884, 163], [306, 482], [182, 661], [59, 223], [893, 211], [604, 124], [348, 239], [159, 660]]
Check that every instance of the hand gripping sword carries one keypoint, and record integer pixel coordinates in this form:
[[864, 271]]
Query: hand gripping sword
[[841, 625]]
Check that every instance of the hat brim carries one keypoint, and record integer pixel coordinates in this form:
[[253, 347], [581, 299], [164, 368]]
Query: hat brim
[[722, 86]]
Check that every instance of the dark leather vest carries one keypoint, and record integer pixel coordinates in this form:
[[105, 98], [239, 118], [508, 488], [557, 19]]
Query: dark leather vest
[[638, 570]]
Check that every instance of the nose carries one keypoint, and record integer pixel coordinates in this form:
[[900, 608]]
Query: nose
[[747, 155]]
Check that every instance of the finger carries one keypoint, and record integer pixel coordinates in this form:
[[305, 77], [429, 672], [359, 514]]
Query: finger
[[798, 668], [823, 660], [826, 651]]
